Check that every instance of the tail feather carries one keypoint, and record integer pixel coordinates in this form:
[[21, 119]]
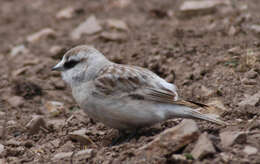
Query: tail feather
[[191, 113]]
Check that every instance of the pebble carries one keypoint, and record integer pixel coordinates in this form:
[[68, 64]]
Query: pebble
[[66, 13], [17, 50], [89, 26], [250, 99], [228, 138], [171, 140], [117, 24], [249, 150], [15, 101], [46, 32], [35, 123], [203, 147]]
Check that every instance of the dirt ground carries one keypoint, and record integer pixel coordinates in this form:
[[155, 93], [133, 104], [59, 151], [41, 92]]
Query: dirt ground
[[210, 55]]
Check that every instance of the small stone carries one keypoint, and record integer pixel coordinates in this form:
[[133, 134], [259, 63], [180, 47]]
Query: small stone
[[62, 155], [54, 108], [229, 138], [250, 100], [247, 81], [20, 49], [232, 31], [249, 150], [83, 155], [2, 148], [57, 124], [55, 142], [66, 13], [113, 36], [80, 136], [20, 71], [35, 123], [178, 158], [15, 101], [251, 74], [90, 26], [46, 32], [57, 52], [198, 7], [58, 84], [79, 156], [179, 136], [255, 28], [203, 147], [117, 24], [234, 50]]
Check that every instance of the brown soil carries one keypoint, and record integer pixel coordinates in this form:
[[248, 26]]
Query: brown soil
[[191, 52]]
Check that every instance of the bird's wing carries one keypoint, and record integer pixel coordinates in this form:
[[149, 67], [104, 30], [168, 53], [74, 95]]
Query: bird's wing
[[135, 82]]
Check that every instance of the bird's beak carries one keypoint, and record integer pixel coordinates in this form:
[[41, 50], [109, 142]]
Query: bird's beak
[[59, 66]]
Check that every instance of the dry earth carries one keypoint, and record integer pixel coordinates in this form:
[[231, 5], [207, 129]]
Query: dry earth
[[211, 53]]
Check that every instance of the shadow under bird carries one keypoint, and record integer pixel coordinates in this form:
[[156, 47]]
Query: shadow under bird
[[123, 97]]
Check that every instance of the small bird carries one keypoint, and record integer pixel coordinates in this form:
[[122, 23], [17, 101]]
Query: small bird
[[123, 97]]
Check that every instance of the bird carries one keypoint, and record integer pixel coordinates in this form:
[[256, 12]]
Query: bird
[[123, 97]]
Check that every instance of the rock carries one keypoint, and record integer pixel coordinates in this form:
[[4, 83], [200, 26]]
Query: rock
[[229, 138], [249, 150], [66, 13], [171, 140], [57, 124], [58, 84], [90, 26], [80, 136], [46, 32], [247, 81], [54, 108], [255, 28], [57, 52], [55, 142], [203, 147], [113, 36], [83, 155], [234, 51], [35, 123], [250, 100], [62, 155], [251, 74], [178, 158], [20, 49], [232, 31], [200, 7], [117, 24], [20, 71], [15, 101], [2, 161], [79, 156], [2, 149]]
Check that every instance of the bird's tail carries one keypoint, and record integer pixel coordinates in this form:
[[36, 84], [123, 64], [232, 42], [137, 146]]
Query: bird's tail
[[190, 112]]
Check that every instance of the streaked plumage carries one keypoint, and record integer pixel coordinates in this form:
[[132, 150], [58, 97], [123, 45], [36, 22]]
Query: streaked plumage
[[123, 96]]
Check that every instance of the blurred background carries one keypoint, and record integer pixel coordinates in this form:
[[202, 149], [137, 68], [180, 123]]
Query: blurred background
[[208, 48]]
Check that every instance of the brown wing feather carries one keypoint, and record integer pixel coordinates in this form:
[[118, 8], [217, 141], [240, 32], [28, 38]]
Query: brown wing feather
[[132, 81]]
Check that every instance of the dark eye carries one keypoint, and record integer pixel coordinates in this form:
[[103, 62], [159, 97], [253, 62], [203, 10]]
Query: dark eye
[[71, 63]]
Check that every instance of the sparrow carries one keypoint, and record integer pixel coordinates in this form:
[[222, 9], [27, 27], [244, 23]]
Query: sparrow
[[123, 97]]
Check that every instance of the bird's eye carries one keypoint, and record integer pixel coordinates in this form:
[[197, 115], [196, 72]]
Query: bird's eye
[[71, 63]]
